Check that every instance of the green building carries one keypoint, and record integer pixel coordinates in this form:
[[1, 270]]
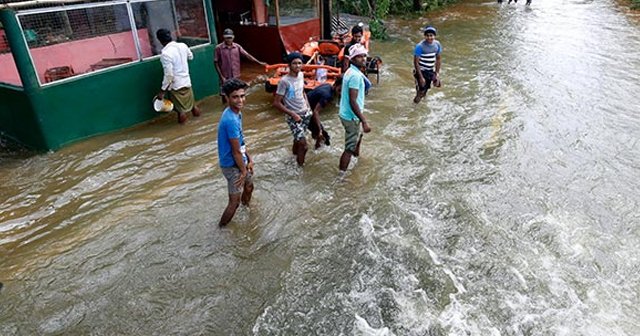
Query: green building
[[77, 68]]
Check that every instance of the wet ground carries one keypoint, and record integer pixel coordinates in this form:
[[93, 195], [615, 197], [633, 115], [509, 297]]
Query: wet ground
[[504, 204]]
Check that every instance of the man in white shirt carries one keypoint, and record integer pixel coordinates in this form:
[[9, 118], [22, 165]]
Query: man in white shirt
[[176, 80]]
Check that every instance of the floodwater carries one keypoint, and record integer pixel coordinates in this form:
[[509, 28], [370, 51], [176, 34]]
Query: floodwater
[[504, 204]]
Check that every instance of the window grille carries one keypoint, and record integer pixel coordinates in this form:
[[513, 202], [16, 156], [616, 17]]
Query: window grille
[[8, 71], [83, 38]]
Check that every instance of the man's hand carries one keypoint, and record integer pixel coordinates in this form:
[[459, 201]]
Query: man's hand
[[421, 81], [250, 166], [365, 127], [296, 118], [436, 80]]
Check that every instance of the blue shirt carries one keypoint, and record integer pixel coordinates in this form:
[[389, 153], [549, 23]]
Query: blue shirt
[[353, 79], [230, 127], [427, 54]]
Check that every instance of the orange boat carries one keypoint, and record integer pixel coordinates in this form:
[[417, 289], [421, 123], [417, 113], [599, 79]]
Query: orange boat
[[310, 71], [331, 51]]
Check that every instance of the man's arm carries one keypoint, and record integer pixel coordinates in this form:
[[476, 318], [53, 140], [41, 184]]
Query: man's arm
[[316, 114], [416, 66], [222, 78], [249, 56], [216, 63], [353, 101], [237, 158], [167, 79], [249, 160], [278, 103], [438, 63], [345, 59], [189, 54]]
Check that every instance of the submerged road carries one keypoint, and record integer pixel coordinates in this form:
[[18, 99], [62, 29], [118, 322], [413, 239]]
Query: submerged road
[[506, 203]]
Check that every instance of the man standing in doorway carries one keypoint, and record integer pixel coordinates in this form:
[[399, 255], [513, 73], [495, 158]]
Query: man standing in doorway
[[235, 162], [352, 105], [176, 80], [426, 63], [227, 57]]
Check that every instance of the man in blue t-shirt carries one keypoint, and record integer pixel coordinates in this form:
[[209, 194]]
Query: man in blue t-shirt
[[235, 162], [352, 105], [318, 99], [426, 63]]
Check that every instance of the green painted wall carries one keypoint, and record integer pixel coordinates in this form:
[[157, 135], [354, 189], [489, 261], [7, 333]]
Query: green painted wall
[[17, 117], [112, 99], [60, 113], [51, 116]]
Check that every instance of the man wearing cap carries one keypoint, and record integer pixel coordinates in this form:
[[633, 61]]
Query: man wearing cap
[[352, 105], [356, 38], [176, 80], [291, 100], [426, 63], [227, 57]]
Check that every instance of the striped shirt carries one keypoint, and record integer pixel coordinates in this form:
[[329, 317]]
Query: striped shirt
[[427, 54]]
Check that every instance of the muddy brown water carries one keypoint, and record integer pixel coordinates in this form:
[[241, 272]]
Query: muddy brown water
[[505, 204]]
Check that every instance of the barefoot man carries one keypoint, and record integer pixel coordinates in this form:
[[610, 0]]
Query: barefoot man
[[235, 162]]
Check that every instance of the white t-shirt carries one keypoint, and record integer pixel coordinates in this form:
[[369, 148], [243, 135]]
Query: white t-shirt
[[174, 59], [292, 89]]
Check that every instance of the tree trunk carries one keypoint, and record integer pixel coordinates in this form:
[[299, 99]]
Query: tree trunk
[[372, 7]]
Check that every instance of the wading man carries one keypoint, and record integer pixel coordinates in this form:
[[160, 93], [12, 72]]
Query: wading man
[[356, 38], [318, 99], [291, 100], [352, 105], [227, 57], [426, 63], [235, 162], [176, 80]]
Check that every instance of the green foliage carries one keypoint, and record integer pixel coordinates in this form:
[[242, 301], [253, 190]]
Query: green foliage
[[635, 4], [378, 10], [355, 7], [378, 30], [384, 7]]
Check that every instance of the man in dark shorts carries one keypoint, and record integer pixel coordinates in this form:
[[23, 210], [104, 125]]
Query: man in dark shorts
[[426, 63], [235, 162], [318, 99]]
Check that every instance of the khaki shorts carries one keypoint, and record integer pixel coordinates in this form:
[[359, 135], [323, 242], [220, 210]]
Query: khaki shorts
[[351, 134], [232, 174]]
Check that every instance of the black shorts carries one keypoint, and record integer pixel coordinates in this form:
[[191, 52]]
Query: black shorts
[[428, 78]]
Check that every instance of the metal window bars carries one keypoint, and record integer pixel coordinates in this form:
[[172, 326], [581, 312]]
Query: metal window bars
[[78, 39]]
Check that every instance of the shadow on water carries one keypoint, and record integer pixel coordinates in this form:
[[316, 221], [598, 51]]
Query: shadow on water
[[10, 149]]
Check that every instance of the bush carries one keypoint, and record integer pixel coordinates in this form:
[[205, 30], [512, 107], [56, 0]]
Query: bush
[[378, 30], [379, 9]]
